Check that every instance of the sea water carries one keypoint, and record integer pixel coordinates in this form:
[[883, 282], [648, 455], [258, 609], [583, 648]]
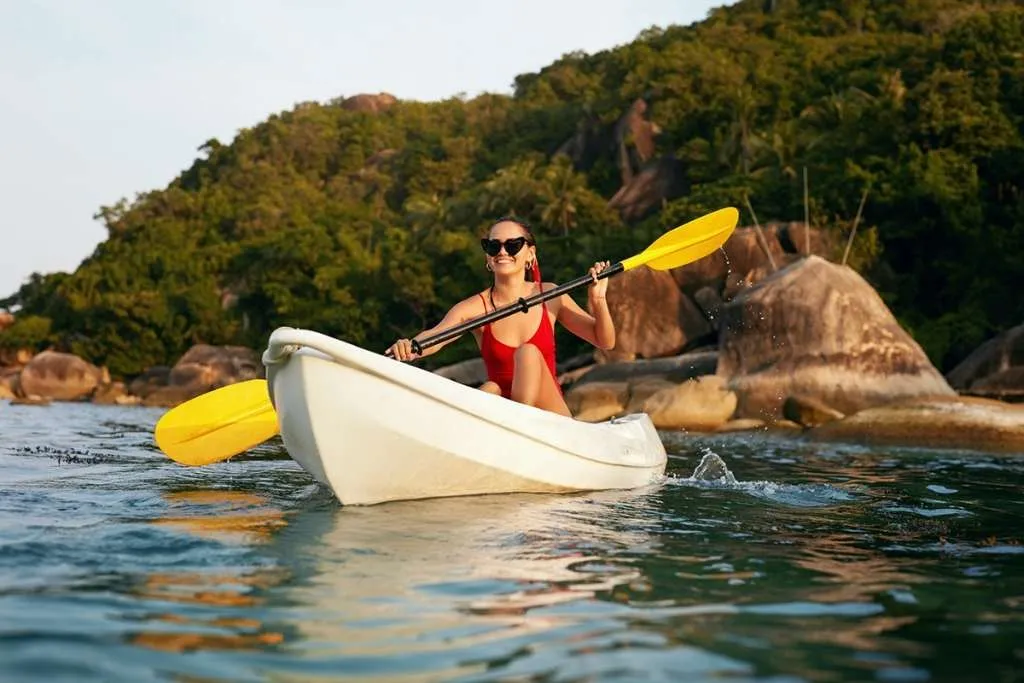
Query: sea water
[[757, 557]]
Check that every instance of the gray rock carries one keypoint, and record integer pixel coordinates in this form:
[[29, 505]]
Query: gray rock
[[819, 330]]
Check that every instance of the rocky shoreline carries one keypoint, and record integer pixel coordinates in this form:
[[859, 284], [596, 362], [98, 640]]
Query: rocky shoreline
[[727, 344]]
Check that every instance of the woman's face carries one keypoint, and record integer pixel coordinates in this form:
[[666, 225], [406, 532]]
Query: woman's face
[[503, 263]]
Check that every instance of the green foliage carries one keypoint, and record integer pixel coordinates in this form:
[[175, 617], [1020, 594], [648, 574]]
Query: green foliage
[[364, 224], [27, 332]]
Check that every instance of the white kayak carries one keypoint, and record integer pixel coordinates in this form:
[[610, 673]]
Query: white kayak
[[373, 430]]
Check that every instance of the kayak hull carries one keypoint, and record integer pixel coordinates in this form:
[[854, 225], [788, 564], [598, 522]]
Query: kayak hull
[[374, 430]]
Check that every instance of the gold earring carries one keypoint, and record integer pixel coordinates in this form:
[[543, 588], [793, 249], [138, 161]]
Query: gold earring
[[487, 265]]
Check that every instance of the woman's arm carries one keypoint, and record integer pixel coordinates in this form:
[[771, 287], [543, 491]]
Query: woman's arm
[[596, 325], [459, 313]]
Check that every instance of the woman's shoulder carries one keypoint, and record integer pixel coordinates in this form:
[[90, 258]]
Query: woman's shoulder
[[472, 304]]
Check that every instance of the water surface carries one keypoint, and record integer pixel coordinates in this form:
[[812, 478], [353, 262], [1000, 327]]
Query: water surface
[[797, 562]]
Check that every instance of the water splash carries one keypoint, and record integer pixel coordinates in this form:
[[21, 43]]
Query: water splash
[[713, 472], [713, 469]]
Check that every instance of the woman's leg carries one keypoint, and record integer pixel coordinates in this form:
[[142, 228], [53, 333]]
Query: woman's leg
[[533, 383], [491, 388]]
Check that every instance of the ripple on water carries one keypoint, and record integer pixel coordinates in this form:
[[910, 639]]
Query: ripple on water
[[774, 559]]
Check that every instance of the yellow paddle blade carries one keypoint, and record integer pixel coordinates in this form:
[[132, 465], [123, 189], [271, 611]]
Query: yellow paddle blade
[[218, 424], [687, 243]]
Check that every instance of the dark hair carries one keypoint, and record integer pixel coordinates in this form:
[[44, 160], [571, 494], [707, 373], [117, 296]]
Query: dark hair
[[512, 219], [530, 239]]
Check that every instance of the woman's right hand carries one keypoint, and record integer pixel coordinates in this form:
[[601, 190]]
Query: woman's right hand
[[402, 350]]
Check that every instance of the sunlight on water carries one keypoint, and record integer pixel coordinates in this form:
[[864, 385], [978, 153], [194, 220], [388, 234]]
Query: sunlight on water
[[755, 558]]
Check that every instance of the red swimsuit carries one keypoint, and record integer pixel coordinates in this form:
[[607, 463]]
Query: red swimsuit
[[499, 358]]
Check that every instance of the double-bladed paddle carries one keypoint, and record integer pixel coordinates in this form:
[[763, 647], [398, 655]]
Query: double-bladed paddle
[[227, 421]]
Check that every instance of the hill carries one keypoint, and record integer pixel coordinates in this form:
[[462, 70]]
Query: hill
[[358, 217]]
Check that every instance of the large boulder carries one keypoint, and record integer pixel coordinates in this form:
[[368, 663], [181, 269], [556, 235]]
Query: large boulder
[[652, 317], [960, 422], [597, 401], [657, 181], [634, 140], [742, 258], [995, 369], [365, 102], [204, 368], [60, 376], [672, 368], [703, 404], [151, 380], [818, 330]]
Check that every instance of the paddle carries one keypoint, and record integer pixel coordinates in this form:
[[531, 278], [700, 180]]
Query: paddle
[[218, 424], [227, 421], [682, 245]]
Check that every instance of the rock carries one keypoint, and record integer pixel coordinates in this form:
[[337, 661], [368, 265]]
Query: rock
[[673, 368], [577, 362], [652, 317], [808, 412], [643, 389], [735, 285], [149, 381], [109, 393], [373, 104], [710, 303], [9, 385], [744, 425], [597, 401], [59, 376], [995, 369], [818, 330], [204, 368], [15, 357], [796, 236], [657, 181], [788, 425], [634, 140], [742, 257], [470, 372], [702, 404], [947, 422], [568, 379], [30, 400]]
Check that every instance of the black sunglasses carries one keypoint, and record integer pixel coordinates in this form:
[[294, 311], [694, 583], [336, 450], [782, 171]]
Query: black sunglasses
[[512, 247]]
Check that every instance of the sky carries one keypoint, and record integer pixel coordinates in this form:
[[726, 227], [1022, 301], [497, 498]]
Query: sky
[[106, 99]]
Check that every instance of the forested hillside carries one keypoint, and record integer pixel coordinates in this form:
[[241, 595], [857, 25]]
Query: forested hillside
[[359, 217]]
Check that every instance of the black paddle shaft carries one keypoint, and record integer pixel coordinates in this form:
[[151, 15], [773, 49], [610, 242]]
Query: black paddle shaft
[[520, 306]]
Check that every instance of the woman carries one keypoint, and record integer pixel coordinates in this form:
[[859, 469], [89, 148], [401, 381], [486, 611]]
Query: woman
[[519, 351]]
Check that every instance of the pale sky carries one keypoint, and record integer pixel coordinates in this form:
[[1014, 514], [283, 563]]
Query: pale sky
[[104, 99]]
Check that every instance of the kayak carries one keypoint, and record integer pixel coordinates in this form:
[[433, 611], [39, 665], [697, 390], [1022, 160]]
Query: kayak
[[373, 429]]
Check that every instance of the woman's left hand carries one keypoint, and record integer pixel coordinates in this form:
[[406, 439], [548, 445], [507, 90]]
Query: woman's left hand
[[598, 288]]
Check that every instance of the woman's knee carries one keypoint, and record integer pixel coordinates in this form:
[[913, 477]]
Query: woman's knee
[[528, 353], [491, 388]]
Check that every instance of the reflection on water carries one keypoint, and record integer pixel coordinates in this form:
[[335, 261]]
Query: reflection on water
[[757, 558], [221, 513], [227, 517]]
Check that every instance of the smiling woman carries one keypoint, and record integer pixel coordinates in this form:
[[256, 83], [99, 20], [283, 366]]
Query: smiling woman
[[519, 351]]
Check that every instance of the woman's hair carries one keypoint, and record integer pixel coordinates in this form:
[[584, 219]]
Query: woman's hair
[[532, 272], [521, 223]]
